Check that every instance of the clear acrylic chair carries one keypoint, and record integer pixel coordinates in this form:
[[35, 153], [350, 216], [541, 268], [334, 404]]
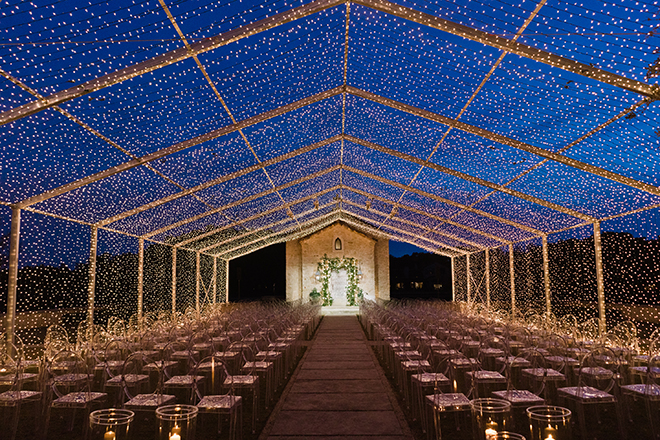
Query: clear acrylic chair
[[263, 364], [488, 377], [450, 413], [219, 400], [13, 399], [543, 377], [248, 381], [642, 401], [69, 390], [183, 382], [131, 380], [144, 404], [521, 399], [593, 399], [426, 380], [56, 340]]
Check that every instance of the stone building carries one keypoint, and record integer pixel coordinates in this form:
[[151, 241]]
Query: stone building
[[337, 241]]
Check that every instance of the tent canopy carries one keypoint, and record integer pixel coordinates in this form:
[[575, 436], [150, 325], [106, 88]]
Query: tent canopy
[[222, 126]]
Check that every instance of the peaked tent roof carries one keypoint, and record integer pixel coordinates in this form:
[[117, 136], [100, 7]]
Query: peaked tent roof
[[225, 126]]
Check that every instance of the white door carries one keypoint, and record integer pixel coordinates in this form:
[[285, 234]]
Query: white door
[[338, 284]]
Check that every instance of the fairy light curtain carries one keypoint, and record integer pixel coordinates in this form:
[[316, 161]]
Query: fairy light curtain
[[528, 274], [500, 278], [249, 123], [460, 280], [573, 273], [477, 274]]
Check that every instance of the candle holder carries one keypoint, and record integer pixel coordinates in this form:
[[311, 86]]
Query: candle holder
[[176, 422], [110, 424], [549, 422], [506, 435], [490, 416]]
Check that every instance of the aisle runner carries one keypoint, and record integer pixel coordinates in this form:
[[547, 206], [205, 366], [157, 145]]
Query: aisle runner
[[338, 391]]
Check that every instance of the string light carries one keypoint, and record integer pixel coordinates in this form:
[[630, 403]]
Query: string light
[[423, 78]]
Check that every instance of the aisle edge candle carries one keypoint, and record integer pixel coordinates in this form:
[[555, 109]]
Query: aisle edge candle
[[491, 430], [549, 433], [175, 434]]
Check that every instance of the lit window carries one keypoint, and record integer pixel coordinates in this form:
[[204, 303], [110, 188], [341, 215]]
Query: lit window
[[337, 244]]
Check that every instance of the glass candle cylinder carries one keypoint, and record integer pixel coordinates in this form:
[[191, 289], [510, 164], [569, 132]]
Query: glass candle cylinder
[[489, 416], [549, 422], [176, 422], [506, 435], [110, 424]]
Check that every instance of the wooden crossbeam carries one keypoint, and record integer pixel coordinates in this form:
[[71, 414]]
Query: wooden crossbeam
[[294, 230], [433, 217], [179, 147], [262, 228], [408, 222], [168, 58], [437, 250], [219, 180], [241, 201], [253, 217], [512, 46], [592, 169], [442, 199], [464, 176]]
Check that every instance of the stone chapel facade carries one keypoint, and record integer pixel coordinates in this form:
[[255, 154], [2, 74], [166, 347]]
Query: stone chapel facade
[[341, 241]]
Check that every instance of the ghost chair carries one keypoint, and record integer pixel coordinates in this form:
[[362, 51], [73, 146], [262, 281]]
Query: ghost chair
[[220, 400], [594, 399], [69, 391], [15, 399]]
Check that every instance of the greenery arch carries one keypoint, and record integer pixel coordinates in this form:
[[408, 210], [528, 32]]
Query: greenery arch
[[327, 265]]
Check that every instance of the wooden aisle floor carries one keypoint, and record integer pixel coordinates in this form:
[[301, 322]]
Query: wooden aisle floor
[[338, 391]]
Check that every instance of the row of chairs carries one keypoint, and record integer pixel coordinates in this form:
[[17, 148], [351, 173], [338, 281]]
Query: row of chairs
[[222, 361], [441, 356]]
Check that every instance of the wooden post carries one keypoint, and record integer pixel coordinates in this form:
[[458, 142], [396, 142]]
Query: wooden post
[[512, 275], [91, 286], [197, 282], [12, 281], [546, 275], [226, 287], [453, 282], [215, 279], [600, 284], [467, 277], [173, 280], [488, 278], [140, 285]]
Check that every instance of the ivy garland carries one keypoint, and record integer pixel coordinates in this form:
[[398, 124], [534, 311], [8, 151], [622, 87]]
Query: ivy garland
[[328, 265]]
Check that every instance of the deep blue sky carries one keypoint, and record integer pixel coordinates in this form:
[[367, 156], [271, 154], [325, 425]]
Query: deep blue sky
[[422, 67], [399, 249]]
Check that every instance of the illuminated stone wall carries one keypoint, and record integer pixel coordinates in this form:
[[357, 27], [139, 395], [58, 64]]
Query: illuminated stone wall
[[302, 257]]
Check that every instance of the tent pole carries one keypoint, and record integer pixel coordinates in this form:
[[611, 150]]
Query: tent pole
[[488, 279], [467, 277], [513, 281], [226, 286], [140, 285], [453, 282], [600, 285], [197, 275], [12, 282], [91, 286], [173, 280], [546, 275], [215, 279]]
